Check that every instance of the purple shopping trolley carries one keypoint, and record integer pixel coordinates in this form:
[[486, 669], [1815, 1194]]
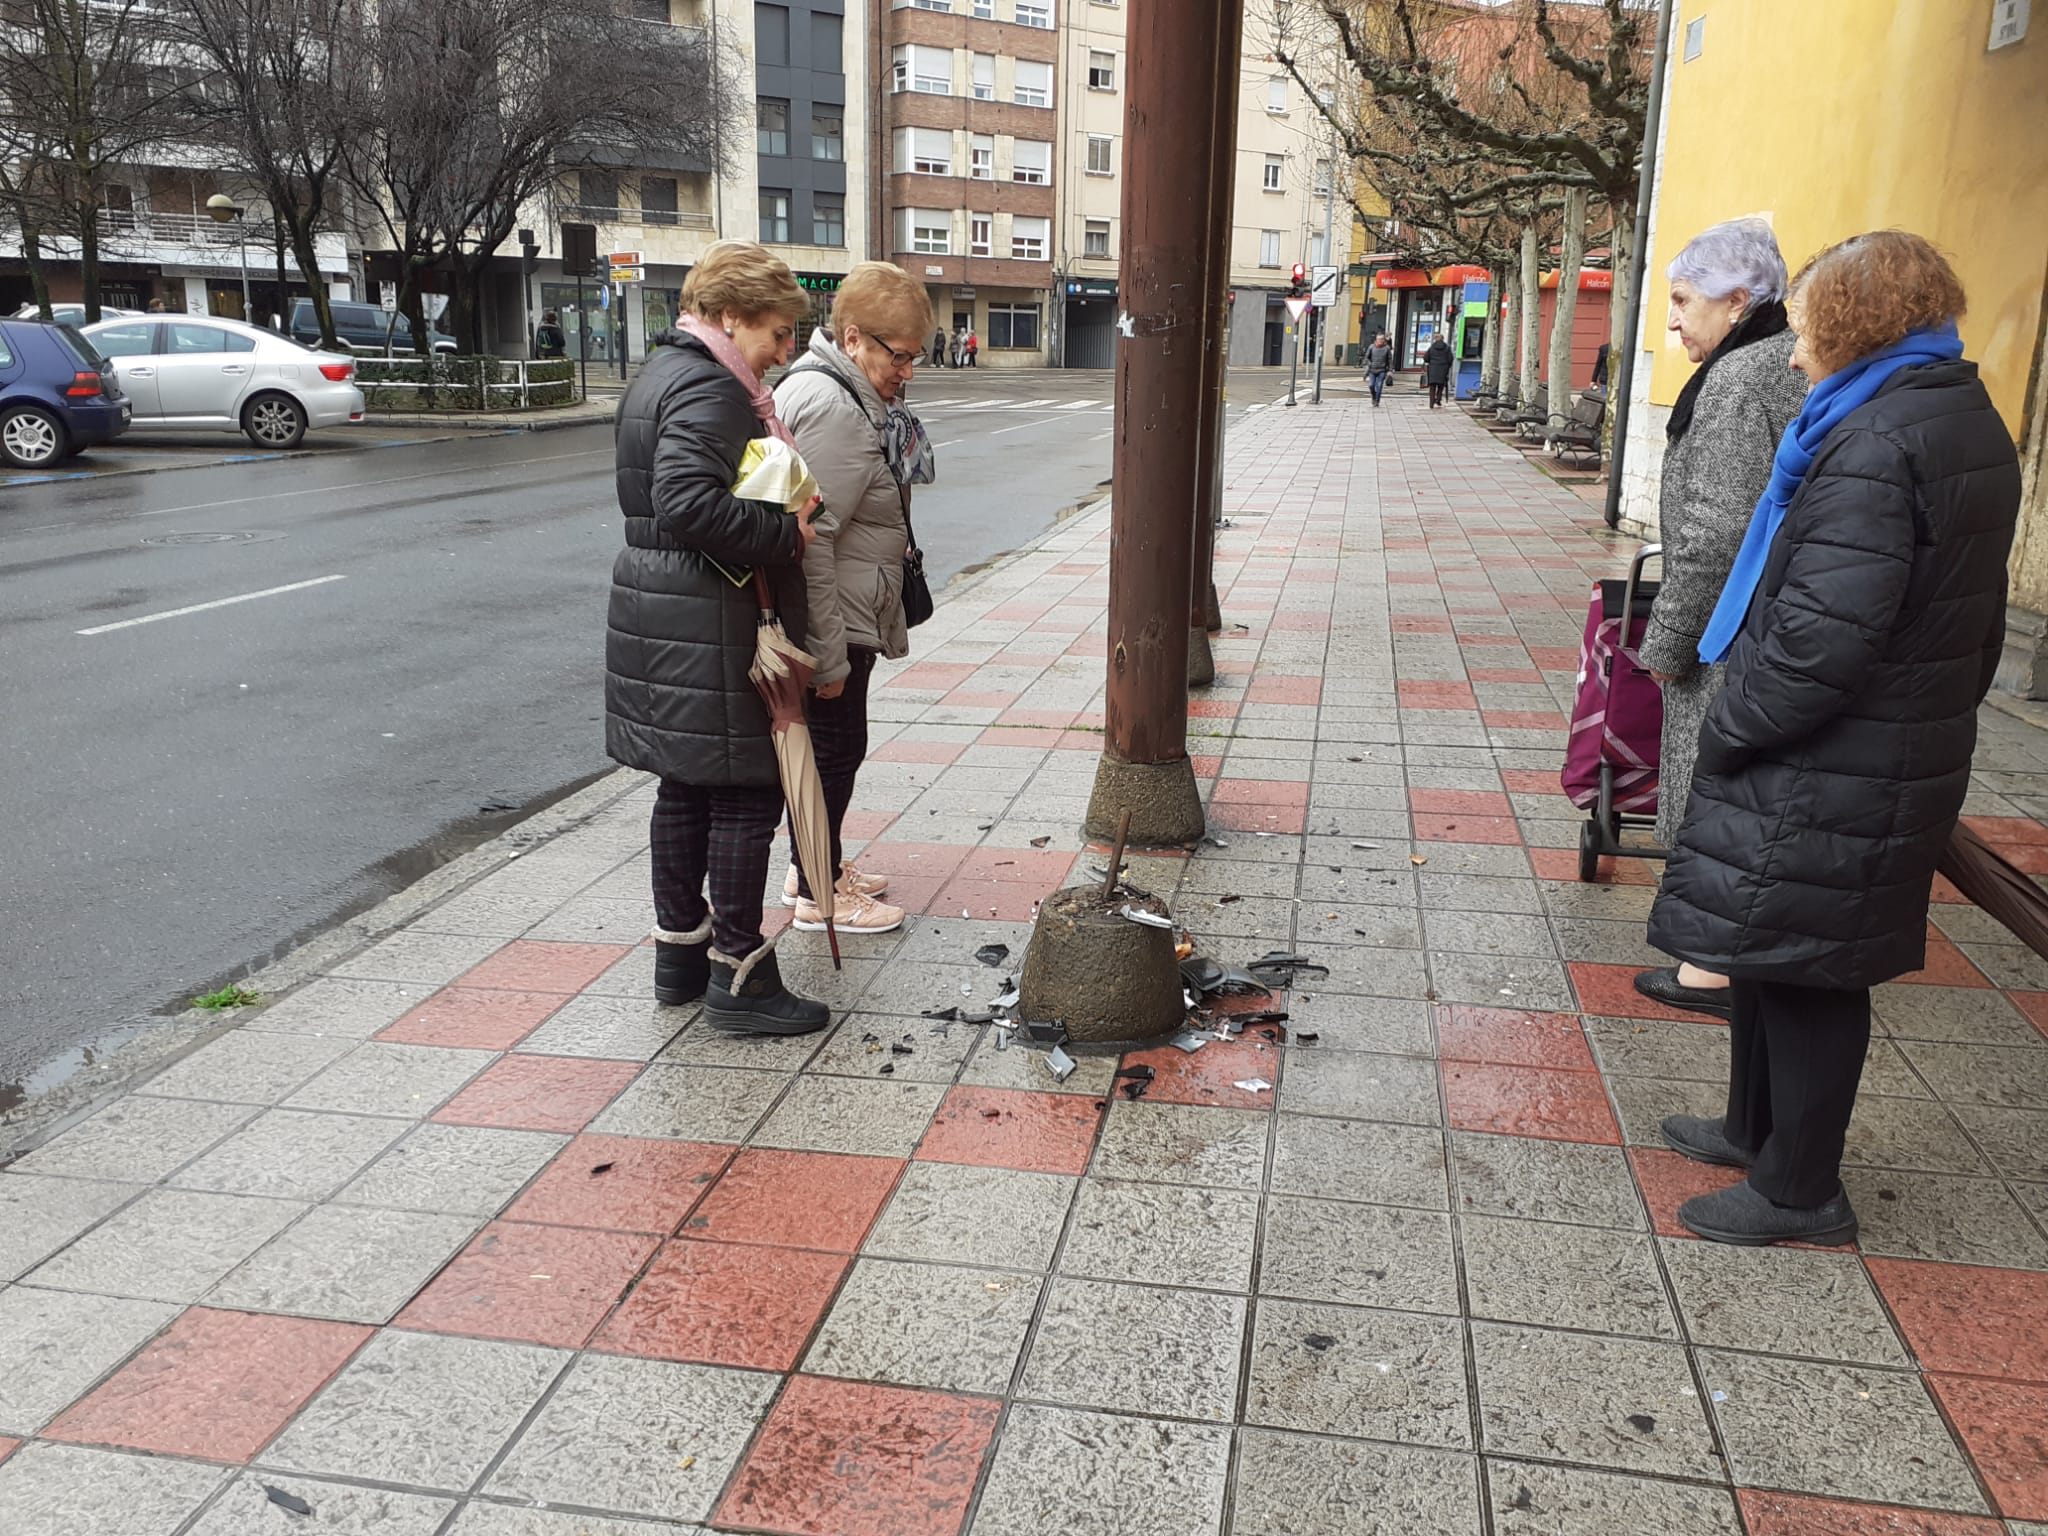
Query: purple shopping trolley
[[1610, 760]]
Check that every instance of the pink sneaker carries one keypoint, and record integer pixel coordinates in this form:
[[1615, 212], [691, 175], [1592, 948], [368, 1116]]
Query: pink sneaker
[[853, 914], [851, 881]]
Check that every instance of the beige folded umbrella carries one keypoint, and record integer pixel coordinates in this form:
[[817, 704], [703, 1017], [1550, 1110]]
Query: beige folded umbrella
[[781, 673]]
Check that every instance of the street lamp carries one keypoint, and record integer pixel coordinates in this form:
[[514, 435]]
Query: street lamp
[[223, 209]]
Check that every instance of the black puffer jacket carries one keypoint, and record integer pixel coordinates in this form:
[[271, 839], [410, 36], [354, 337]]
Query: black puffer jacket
[[681, 634], [1833, 764]]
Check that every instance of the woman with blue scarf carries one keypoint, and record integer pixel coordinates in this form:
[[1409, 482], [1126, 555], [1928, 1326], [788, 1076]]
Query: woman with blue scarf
[[1861, 626]]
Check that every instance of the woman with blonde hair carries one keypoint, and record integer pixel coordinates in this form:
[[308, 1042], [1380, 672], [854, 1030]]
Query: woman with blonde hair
[[844, 402], [1861, 623], [681, 635]]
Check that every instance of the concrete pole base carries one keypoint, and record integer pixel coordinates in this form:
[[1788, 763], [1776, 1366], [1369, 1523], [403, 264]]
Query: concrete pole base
[[1201, 660], [1103, 976], [1212, 612], [1165, 806]]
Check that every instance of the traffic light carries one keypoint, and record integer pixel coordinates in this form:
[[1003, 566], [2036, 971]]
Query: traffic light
[[1300, 280]]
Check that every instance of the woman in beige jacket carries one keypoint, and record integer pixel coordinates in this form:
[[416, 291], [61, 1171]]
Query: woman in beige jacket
[[843, 403]]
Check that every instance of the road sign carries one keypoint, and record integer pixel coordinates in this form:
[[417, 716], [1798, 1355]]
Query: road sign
[[619, 259], [1296, 308], [628, 274], [388, 297], [1322, 287]]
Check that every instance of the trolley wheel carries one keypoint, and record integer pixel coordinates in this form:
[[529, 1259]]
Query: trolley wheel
[[1589, 852]]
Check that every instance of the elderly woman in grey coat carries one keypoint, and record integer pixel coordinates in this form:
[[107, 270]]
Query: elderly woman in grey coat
[[1727, 306]]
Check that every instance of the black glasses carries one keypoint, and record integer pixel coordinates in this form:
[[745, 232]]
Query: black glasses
[[900, 359]]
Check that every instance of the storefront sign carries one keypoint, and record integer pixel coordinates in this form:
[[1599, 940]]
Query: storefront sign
[[820, 282], [1091, 288]]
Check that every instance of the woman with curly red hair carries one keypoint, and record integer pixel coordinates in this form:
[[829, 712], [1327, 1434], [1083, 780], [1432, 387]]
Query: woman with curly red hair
[[1861, 625]]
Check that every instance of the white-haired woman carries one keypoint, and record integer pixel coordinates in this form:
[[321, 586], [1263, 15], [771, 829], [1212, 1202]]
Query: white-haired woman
[[1727, 306]]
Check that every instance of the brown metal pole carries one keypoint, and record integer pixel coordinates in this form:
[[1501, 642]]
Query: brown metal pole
[[1166, 292]]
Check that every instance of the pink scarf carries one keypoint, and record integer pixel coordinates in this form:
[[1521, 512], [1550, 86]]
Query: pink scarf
[[720, 346]]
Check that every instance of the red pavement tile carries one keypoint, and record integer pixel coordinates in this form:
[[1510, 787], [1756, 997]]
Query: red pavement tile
[[1960, 1317], [1509, 1037], [1412, 578], [216, 1385], [1002, 901], [866, 824], [1210, 1075], [917, 751], [1668, 1179], [1044, 867], [534, 965], [1257, 818], [1946, 893], [1525, 720], [7, 1447], [1037, 719], [1300, 621], [539, 1093], [973, 698], [1212, 709], [1462, 828], [2009, 831], [933, 675], [1020, 613], [1466, 637], [646, 1186], [1947, 966], [1478, 802], [1266, 792], [1503, 675], [530, 1285], [1417, 694], [1529, 1101], [777, 918], [1531, 781], [474, 1019], [1007, 1128], [1555, 658], [1037, 736], [1419, 624], [2035, 1006], [1275, 689], [1206, 767], [1610, 990], [726, 1304], [1563, 864], [843, 1458], [912, 861], [1787, 1514], [2004, 1427], [821, 1200], [2027, 857]]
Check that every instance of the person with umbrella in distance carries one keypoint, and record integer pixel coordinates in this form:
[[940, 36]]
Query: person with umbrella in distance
[[683, 629]]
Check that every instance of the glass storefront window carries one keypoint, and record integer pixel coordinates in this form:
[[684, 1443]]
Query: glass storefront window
[[586, 329], [658, 310]]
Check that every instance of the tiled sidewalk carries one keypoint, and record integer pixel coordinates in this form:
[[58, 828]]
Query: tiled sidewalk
[[469, 1237]]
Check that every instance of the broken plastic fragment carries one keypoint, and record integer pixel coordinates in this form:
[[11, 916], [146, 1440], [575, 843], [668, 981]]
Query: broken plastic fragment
[[899, 1048], [1215, 842], [992, 954], [290, 1501], [1318, 1341], [1252, 1084], [1369, 847], [1191, 1041], [1046, 1031], [1417, 860], [1059, 1064], [1040, 842], [1307, 1036], [949, 1014], [965, 989], [887, 1069], [601, 1168], [1140, 1071], [1645, 1422]]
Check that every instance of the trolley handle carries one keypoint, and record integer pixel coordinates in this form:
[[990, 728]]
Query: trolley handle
[[1643, 556]]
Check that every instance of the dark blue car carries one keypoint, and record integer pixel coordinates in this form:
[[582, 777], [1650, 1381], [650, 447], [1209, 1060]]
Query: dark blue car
[[57, 395]]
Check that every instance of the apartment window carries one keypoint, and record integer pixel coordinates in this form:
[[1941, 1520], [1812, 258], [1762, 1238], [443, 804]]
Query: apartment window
[[598, 189], [924, 151], [1327, 95], [1030, 238], [828, 218], [1276, 94], [1013, 327], [828, 136], [1276, 166], [1101, 71], [927, 231], [658, 199], [1032, 14], [1322, 181], [984, 77], [1101, 153], [929, 70], [1095, 238], [771, 126], [1269, 247], [984, 10], [771, 35], [828, 42], [1031, 162], [982, 157], [980, 233], [774, 216], [934, 5], [1034, 84]]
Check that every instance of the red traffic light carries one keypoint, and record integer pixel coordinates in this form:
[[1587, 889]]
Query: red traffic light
[[1300, 273]]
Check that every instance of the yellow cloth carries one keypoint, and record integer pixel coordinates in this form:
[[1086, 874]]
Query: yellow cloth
[[772, 471]]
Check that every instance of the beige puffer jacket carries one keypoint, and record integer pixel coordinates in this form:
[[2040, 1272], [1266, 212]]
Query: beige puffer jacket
[[854, 567]]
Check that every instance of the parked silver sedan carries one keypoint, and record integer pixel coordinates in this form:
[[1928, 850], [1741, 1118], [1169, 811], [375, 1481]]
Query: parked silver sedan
[[196, 373]]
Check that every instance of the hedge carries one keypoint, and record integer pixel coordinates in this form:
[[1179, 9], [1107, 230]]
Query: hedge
[[457, 383]]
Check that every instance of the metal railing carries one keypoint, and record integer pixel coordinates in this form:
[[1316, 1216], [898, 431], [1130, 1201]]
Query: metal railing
[[682, 218], [520, 384]]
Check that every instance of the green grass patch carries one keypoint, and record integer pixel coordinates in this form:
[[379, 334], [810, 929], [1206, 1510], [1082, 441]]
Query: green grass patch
[[228, 997]]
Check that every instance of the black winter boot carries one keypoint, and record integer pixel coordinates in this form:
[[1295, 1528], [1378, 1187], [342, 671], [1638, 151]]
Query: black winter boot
[[747, 997], [682, 965]]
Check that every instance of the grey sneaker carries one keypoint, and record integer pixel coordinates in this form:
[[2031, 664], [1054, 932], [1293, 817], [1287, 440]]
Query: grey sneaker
[[1742, 1216], [1704, 1141]]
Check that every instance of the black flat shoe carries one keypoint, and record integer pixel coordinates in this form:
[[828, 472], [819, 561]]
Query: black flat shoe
[[1743, 1217], [1704, 1141], [1662, 986]]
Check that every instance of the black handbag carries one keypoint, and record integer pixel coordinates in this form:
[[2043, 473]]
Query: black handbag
[[917, 592]]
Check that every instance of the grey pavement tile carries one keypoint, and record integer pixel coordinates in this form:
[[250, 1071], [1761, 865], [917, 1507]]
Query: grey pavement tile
[[1477, 893], [1346, 1022], [1837, 1430], [345, 1009], [247, 1066], [641, 1437], [691, 1104], [590, 919], [404, 1081], [426, 959], [1358, 885], [291, 1154], [812, 976], [1361, 1255], [1820, 1305], [1230, 928], [461, 1170], [1542, 1180], [1530, 1499], [54, 1345], [1564, 1277], [1909, 1133], [1255, 848], [1957, 1015], [1641, 1103], [956, 1214], [1134, 1349], [1623, 1403], [493, 913], [1206, 879], [2016, 1141], [2015, 1078], [1320, 927], [1360, 1160], [1378, 1375], [613, 1028], [480, 1517], [1942, 1217], [1490, 933], [949, 941], [1183, 1144], [1095, 1474], [1162, 1234], [1364, 971], [419, 1409], [339, 1509], [348, 1263], [1501, 981], [69, 1490], [1887, 1074], [136, 1140], [1361, 1085], [1611, 903], [864, 1043], [1501, 860], [699, 1045], [1023, 1065], [2010, 966], [170, 1245], [926, 1325], [839, 1114], [40, 1215], [632, 976], [1299, 1485], [910, 989], [1661, 1048], [1598, 941]]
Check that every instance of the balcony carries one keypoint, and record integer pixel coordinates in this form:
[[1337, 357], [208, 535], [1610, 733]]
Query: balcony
[[649, 218], [189, 240]]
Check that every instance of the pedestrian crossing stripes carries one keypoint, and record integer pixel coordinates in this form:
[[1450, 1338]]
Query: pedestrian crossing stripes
[[934, 406]]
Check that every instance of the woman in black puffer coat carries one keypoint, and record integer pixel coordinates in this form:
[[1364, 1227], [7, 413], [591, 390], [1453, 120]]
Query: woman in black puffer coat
[[1860, 640], [678, 702]]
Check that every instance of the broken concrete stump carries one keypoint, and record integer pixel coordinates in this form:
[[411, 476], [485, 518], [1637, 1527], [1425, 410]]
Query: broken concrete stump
[[1104, 976]]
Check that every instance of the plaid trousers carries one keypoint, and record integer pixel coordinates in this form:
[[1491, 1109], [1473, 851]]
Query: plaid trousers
[[720, 837]]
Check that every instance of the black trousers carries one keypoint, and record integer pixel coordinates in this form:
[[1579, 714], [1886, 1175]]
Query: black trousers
[[1795, 1058], [720, 838], [1436, 395], [839, 737]]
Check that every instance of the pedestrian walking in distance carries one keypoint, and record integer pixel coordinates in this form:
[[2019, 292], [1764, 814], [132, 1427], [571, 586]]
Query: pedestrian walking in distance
[[1379, 362], [681, 634], [1727, 306], [844, 403], [548, 340], [1861, 622], [1436, 366], [973, 348], [938, 353], [960, 348]]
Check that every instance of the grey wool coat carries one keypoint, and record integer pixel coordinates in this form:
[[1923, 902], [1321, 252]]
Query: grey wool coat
[[1713, 477]]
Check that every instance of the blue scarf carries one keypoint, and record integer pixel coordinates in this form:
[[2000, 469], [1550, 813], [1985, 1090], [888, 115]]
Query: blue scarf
[[1830, 401]]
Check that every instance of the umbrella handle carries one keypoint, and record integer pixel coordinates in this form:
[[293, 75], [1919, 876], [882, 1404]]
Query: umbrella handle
[[761, 596]]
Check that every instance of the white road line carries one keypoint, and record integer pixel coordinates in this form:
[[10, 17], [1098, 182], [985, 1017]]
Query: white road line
[[1077, 405], [949, 442], [1043, 421], [219, 602], [364, 485], [1027, 405]]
